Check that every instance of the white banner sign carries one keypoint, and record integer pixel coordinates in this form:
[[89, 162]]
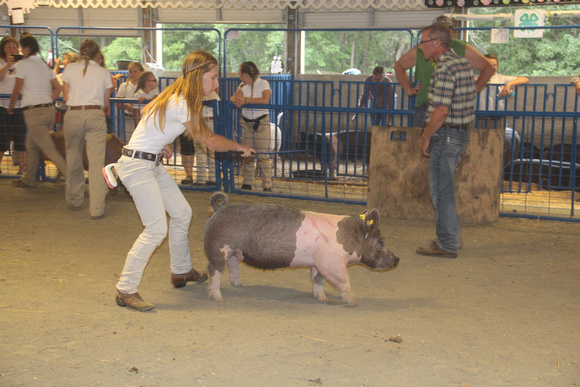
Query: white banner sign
[[529, 18]]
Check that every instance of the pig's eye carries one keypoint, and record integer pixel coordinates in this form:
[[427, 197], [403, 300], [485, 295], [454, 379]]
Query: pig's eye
[[382, 242]]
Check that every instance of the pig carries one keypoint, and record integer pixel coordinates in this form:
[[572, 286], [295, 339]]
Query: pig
[[273, 237], [113, 148]]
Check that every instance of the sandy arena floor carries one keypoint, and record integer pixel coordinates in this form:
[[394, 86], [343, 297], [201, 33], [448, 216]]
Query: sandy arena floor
[[506, 312]]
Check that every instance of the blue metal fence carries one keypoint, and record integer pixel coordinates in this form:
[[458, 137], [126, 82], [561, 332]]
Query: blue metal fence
[[325, 136]]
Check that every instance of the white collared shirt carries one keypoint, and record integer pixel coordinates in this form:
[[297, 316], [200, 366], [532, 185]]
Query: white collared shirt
[[37, 76], [87, 89]]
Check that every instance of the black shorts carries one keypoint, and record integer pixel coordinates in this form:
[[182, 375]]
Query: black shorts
[[12, 126], [186, 145]]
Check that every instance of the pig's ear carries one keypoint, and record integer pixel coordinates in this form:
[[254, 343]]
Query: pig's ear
[[371, 222]]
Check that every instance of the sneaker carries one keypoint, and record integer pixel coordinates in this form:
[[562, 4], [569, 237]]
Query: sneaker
[[110, 176], [187, 181], [247, 187], [435, 251]]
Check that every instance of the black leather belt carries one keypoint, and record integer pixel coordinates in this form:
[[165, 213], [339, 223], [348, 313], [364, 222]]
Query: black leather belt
[[143, 155], [37, 106], [462, 126], [255, 121]]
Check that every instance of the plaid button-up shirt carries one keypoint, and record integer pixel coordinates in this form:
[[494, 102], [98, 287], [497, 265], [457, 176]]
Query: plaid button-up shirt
[[453, 86]]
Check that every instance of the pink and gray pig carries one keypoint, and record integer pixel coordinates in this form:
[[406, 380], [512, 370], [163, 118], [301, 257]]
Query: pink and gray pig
[[273, 237]]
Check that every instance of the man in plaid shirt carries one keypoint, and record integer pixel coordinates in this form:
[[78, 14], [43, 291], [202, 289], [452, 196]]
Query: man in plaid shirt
[[452, 97]]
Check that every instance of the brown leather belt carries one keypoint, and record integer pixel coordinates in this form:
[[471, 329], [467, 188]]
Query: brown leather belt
[[37, 106], [462, 126], [209, 118], [86, 107]]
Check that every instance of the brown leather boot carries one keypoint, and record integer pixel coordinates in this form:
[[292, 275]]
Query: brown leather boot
[[179, 280], [133, 301]]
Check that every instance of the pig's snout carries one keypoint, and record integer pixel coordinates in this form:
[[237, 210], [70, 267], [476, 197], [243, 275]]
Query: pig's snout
[[388, 261]]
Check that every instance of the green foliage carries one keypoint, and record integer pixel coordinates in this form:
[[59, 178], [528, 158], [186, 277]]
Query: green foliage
[[122, 49], [554, 54], [337, 51], [178, 44]]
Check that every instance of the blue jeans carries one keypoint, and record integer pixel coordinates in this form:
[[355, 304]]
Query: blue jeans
[[419, 116], [447, 145]]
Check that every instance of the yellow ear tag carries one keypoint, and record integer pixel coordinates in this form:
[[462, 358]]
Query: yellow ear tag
[[362, 216], [371, 222]]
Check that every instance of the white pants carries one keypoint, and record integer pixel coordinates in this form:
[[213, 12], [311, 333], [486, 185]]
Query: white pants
[[154, 192]]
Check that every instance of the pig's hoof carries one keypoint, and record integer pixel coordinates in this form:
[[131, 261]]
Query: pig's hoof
[[216, 296], [350, 302], [236, 283]]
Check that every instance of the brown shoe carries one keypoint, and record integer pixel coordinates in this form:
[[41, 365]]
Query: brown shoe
[[21, 184], [179, 280], [133, 301], [435, 251]]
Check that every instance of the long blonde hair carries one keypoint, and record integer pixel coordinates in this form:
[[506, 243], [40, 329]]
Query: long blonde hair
[[190, 85]]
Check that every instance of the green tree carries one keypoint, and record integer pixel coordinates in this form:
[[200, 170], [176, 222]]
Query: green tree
[[554, 54]]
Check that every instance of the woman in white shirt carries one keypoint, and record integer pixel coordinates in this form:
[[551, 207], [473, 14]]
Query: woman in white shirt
[[11, 125], [87, 88], [177, 109], [146, 89], [255, 124], [39, 88], [127, 90]]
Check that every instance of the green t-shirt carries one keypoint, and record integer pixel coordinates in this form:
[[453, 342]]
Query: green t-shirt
[[424, 70]]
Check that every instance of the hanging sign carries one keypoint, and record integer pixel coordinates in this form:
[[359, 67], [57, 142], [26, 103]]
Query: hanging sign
[[529, 18]]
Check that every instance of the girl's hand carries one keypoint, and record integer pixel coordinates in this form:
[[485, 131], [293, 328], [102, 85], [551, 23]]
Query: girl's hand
[[167, 153], [246, 150]]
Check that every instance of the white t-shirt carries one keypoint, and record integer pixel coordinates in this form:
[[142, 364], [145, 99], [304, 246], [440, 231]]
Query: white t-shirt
[[7, 84], [147, 137], [488, 97], [208, 110], [126, 90], [141, 93], [87, 89], [37, 76], [254, 92]]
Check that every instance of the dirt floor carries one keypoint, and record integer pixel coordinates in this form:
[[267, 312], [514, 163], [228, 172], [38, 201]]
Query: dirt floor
[[506, 312]]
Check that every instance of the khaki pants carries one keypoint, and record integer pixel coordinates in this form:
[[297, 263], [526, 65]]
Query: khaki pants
[[90, 127], [40, 122], [259, 140], [205, 160]]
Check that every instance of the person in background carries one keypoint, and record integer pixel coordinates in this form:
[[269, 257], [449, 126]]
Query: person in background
[[100, 59], [493, 98], [424, 69], [205, 156], [69, 57], [127, 90], [255, 124], [87, 89], [11, 125], [576, 82], [177, 109], [146, 89], [39, 88], [452, 97], [377, 94]]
